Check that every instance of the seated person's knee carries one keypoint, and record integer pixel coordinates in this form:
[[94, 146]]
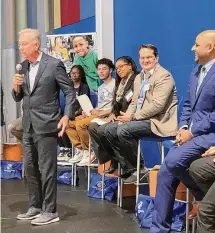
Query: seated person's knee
[[101, 132], [10, 127], [194, 169], [93, 128], [122, 131]]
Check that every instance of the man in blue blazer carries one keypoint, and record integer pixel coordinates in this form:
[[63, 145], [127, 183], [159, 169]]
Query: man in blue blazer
[[196, 134]]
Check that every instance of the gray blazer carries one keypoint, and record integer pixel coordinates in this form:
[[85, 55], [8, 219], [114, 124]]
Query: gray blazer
[[41, 106]]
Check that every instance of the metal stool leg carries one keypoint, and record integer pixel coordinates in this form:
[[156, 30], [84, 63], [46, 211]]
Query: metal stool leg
[[75, 174], [72, 180], [121, 190], [194, 222], [103, 180], [88, 168], [138, 172], [119, 185], [162, 154], [23, 168], [187, 210]]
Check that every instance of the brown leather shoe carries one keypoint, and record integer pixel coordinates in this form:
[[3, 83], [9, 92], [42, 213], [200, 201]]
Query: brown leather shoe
[[193, 212]]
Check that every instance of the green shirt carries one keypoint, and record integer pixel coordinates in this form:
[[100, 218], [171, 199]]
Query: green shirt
[[88, 62]]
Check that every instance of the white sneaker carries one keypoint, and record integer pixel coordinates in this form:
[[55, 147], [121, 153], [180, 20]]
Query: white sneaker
[[62, 156], [86, 160], [77, 157]]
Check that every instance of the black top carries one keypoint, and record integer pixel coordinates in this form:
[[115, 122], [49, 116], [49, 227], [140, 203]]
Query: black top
[[81, 90]]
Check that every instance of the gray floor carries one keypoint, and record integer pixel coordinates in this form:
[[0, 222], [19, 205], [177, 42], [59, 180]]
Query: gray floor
[[78, 213]]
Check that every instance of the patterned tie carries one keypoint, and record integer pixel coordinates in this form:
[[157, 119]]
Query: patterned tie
[[201, 78]]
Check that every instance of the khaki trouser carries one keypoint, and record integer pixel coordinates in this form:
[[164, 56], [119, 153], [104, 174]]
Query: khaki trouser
[[77, 131]]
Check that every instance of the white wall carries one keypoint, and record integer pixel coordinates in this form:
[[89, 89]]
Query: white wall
[[105, 28]]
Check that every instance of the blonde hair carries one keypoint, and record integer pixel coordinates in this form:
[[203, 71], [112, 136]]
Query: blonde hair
[[33, 32]]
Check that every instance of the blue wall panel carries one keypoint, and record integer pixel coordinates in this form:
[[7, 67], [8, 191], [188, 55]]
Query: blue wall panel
[[87, 25], [171, 26], [87, 8], [32, 13]]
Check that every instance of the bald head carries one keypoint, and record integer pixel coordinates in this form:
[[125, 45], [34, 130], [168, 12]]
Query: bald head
[[208, 35], [204, 47]]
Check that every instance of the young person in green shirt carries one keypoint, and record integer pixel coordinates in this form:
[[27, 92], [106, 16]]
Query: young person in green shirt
[[87, 58]]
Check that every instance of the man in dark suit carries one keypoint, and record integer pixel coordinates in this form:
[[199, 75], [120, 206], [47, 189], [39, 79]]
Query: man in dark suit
[[38, 85], [196, 134], [202, 172]]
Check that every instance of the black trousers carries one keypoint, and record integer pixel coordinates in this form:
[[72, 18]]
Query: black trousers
[[40, 164], [64, 141], [104, 150], [203, 173]]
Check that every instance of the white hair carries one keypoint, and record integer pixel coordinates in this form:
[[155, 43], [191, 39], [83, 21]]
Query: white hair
[[33, 32]]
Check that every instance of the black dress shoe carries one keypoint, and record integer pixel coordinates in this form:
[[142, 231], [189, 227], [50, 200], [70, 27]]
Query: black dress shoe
[[113, 167], [126, 173]]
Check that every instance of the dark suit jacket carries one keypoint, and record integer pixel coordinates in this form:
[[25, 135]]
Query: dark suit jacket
[[200, 109], [41, 106]]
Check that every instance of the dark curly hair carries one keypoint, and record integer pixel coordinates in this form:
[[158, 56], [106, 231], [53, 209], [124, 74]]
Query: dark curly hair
[[107, 62]]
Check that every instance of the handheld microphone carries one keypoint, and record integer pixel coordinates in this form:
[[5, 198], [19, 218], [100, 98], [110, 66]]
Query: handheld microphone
[[18, 69]]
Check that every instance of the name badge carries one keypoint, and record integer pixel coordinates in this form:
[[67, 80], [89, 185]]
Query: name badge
[[146, 87], [129, 95]]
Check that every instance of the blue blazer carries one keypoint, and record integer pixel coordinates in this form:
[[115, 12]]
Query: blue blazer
[[200, 108]]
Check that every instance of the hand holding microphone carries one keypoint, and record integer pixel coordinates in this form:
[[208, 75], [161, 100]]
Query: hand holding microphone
[[18, 79]]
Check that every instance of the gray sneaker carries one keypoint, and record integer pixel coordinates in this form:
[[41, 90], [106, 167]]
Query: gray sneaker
[[46, 218], [31, 214]]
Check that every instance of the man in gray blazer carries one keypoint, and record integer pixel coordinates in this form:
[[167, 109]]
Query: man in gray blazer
[[38, 84]]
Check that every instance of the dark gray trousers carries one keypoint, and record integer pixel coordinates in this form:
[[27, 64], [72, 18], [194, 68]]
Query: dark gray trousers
[[203, 173], [123, 139], [40, 164]]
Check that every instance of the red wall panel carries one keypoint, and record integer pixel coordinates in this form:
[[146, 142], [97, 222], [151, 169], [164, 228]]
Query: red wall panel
[[70, 12]]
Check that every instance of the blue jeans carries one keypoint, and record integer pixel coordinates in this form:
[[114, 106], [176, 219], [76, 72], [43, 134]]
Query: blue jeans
[[124, 140]]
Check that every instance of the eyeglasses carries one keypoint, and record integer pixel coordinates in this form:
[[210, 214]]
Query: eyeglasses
[[121, 66], [74, 74]]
